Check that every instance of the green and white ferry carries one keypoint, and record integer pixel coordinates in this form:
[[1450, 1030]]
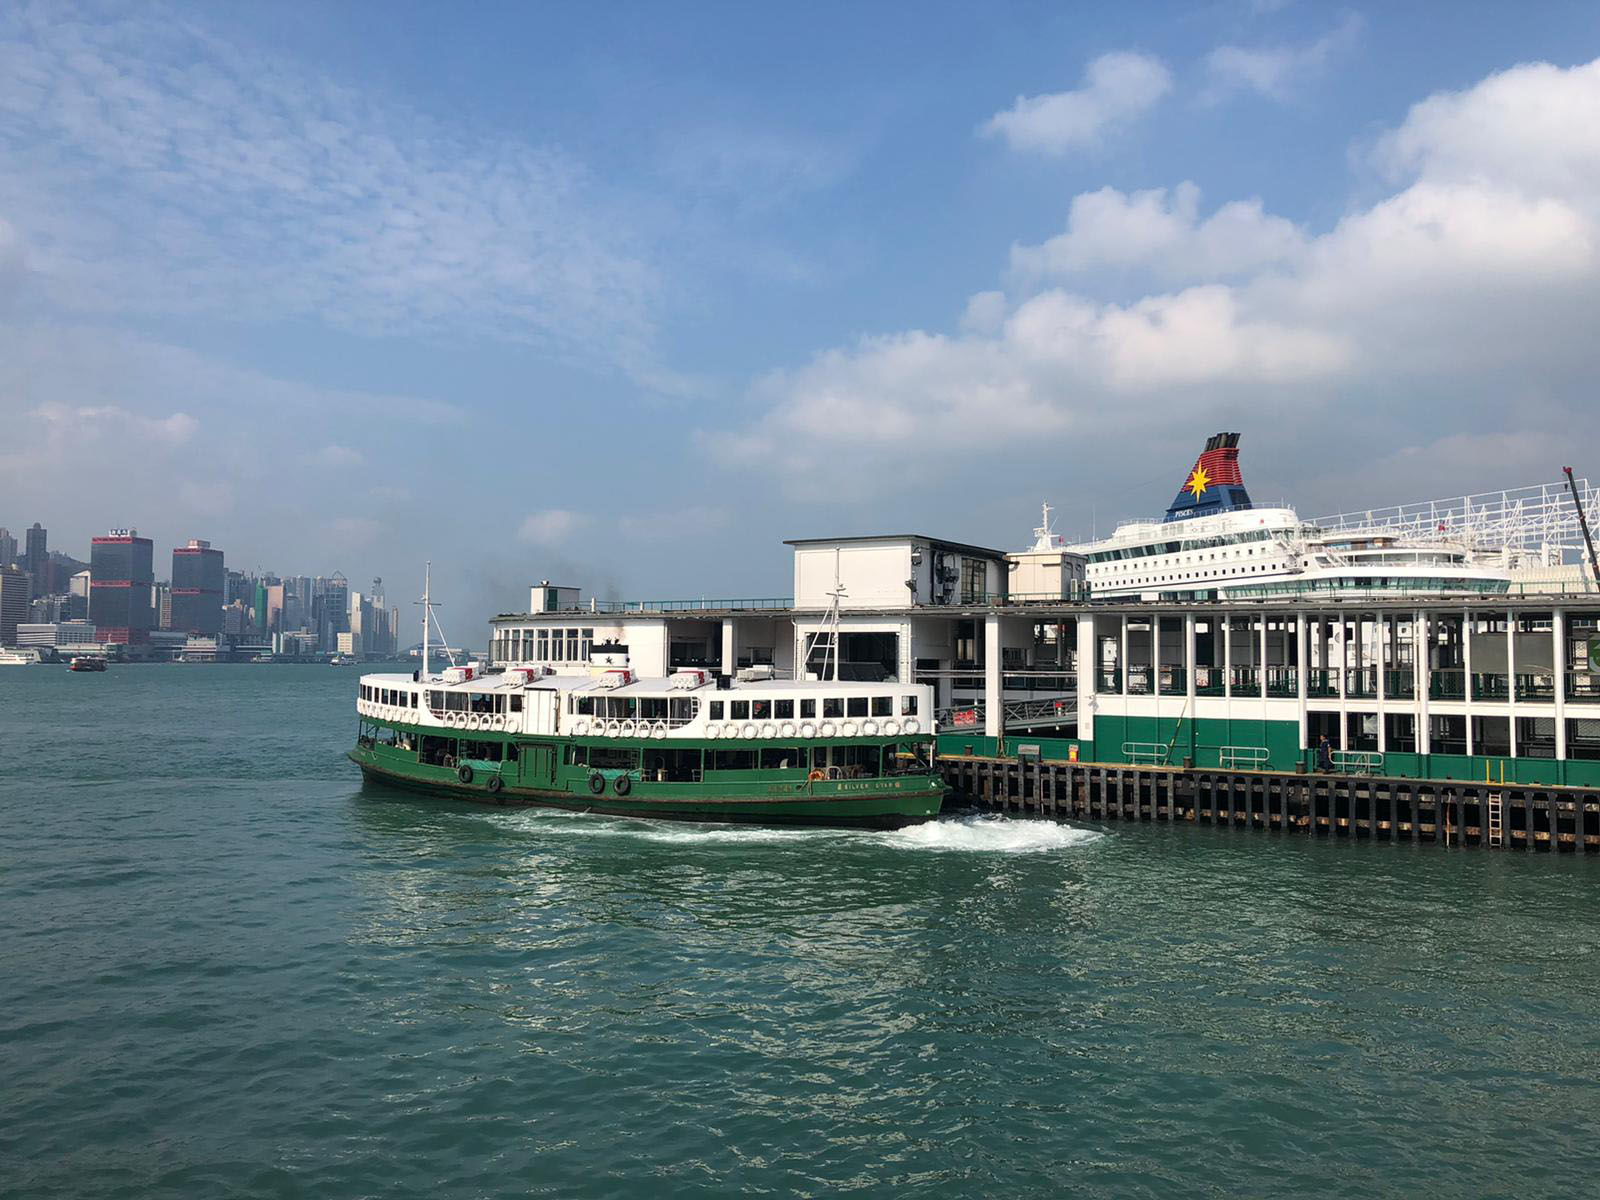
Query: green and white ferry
[[693, 746]]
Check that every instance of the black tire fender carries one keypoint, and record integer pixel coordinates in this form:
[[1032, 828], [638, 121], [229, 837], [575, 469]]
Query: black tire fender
[[597, 783], [495, 783], [621, 784], [464, 773]]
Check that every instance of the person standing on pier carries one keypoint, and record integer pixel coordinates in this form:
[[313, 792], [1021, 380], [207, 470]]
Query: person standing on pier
[[1324, 754]]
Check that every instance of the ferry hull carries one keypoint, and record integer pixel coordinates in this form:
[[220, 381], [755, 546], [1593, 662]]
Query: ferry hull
[[860, 804]]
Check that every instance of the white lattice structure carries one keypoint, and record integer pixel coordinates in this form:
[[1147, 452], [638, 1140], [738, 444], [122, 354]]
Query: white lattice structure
[[1535, 525]]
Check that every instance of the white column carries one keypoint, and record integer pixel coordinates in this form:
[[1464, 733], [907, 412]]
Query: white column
[[730, 661], [1227, 656], [1302, 658], [1122, 664], [1559, 632], [1511, 679], [1422, 668], [1188, 656], [1466, 671], [993, 716], [1261, 665], [1088, 675], [1382, 624]]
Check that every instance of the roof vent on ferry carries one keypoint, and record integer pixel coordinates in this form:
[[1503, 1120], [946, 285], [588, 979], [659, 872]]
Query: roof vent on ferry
[[1214, 485]]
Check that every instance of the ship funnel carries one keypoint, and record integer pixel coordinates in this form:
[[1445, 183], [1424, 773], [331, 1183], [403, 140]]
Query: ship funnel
[[1214, 485]]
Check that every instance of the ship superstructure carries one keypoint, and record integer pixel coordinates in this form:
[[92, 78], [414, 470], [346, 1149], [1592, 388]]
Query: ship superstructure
[[1215, 543]]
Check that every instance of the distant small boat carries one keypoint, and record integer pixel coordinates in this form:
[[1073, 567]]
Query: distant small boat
[[342, 660], [17, 658], [261, 658], [86, 662]]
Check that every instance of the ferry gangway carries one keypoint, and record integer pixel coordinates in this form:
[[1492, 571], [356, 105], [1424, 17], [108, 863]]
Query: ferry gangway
[[1016, 714]]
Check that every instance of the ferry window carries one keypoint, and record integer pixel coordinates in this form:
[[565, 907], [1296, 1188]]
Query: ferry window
[[808, 708], [543, 644], [614, 758], [516, 704], [858, 706], [883, 706], [576, 755], [653, 708], [832, 706], [908, 706], [760, 709], [782, 758], [586, 706], [572, 645], [585, 644], [783, 709], [413, 699], [681, 708], [715, 713], [733, 760], [739, 710]]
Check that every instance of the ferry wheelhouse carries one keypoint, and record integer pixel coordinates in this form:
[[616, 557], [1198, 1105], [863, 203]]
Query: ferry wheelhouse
[[1215, 544], [692, 746]]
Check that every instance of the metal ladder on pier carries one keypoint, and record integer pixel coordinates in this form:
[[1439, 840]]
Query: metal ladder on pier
[[1497, 816]]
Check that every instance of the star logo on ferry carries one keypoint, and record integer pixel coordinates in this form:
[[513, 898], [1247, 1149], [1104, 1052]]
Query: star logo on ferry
[[1197, 482]]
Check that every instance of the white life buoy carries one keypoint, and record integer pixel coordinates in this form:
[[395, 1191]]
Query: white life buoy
[[912, 725], [808, 730], [613, 728], [713, 730], [787, 729], [891, 728], [581, 725], [749, 730], [848, 729], [869, 729], [829, 729], [459, 720], [499, 721], [627, 729], [769, 731], [658, 730]]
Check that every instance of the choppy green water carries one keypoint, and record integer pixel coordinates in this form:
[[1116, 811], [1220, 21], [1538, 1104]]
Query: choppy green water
[[227, 970]]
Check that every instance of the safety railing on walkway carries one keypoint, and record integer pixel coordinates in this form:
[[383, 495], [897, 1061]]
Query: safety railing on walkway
[[1357, 762], [1148, 754], [1243, 758]]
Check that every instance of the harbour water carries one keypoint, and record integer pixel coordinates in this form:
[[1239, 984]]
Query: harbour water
[[225, 969]]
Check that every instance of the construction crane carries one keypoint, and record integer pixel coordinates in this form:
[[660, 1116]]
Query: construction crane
[[1583, 520]]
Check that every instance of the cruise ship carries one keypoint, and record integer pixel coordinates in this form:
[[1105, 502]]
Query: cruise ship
[[1216, 543]]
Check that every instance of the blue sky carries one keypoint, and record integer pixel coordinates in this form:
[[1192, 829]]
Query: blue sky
[[624, 295]]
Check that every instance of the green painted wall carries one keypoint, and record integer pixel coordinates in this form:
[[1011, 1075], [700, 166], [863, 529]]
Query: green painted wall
[[1202, 740]]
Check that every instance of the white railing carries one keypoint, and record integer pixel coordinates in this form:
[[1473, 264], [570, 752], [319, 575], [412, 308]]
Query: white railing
[[1357, 762], [1243, 758], [1151, 754]]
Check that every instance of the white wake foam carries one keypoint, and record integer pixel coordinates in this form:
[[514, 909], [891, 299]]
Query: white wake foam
[[989, 835]]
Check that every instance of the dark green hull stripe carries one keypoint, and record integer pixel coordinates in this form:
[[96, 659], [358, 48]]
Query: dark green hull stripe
[[889, 810]]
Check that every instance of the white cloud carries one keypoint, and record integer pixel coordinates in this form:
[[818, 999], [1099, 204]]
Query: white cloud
[[1117, 88], [1162, 232], [1473, 278], [153, 168], [1277, 71], [550, 526]]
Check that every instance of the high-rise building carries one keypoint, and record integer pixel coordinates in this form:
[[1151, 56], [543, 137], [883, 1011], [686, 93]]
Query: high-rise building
[[198, 580], [37, 559], [121, 576], [78, 589], [14, 604], [8, 547]]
